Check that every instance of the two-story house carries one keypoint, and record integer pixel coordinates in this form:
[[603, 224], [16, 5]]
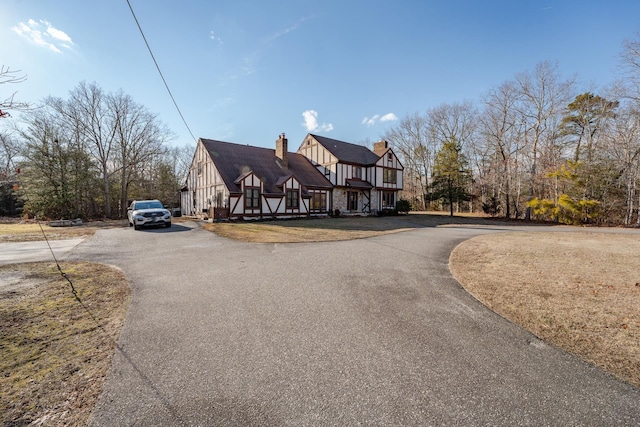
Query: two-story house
[[242, 181], [364, 181]]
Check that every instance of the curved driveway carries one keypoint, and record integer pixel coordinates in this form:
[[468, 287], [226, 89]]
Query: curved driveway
[[365, 332]]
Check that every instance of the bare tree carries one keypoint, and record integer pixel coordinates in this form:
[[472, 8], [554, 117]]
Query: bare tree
[[631, 66], [139, 138], [543, 95], [9, 151], [501, 128], [9, 103], [109, 138], [453, 122], [88, 110], [182, 157], [410, 140], [623, 143]]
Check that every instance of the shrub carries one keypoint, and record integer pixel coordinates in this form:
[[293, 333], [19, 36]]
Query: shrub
[[403, 206], [491, 206]]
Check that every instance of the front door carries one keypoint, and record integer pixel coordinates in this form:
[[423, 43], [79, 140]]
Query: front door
[[352, 201]]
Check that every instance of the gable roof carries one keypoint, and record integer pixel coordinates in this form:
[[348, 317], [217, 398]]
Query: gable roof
[[235, 160], [347, 152]]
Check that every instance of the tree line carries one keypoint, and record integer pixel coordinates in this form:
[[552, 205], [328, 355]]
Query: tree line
[[535, 147], [86, 156]]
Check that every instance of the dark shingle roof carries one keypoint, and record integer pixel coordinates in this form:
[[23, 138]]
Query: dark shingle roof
[[358, 183], [347, 152], [234, 160]]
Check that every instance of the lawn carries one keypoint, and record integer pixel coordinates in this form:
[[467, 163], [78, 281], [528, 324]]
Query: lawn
[[333, 229], [579, 291], [55, 352]]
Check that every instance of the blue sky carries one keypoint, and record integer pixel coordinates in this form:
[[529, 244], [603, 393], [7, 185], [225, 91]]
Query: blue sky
[[246, 71]]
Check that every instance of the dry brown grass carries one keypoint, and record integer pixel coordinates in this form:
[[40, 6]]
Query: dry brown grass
[[333, 229], [303, 230], [579, 291], [53, 355]]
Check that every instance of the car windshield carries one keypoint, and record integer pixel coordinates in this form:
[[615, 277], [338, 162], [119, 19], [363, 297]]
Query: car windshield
[[148, 205]]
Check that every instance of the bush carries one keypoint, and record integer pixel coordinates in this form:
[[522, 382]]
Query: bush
[[403, 206], [491, 206]]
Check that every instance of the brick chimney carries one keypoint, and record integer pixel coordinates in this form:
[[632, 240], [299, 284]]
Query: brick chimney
[[380, 146], [281, 151]]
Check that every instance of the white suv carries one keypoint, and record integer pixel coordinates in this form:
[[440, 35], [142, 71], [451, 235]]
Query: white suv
[[148, 213]]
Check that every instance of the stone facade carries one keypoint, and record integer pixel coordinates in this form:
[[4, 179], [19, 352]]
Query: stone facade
[[340, 201]]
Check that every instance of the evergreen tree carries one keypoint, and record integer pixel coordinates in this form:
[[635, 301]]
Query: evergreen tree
[[451, 175]]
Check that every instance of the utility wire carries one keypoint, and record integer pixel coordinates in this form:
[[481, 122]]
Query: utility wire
[[62, 273], [74, 291], [167, 404], [160, 72]]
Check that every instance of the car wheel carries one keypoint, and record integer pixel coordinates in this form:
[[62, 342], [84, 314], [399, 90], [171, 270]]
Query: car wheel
[[167, 224]]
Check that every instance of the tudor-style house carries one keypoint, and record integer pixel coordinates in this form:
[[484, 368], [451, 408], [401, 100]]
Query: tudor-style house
[[238, 181], [229, 180], [364, 181]]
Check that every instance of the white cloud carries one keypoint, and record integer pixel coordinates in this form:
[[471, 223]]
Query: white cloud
[[285, 31], [44, 34], [215, 38], [370, 121], [311, 122], [389, 117]]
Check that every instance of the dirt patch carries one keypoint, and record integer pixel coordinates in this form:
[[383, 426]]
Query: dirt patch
[[54, 351], [580, 291], [12, 281]]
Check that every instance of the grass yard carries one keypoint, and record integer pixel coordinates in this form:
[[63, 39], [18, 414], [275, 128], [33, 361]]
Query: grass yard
[[54, 357], [312, 230], [578, 291], [333, 229]]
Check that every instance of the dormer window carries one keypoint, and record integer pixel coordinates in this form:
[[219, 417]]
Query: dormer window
[[292, 199], [252, 198]]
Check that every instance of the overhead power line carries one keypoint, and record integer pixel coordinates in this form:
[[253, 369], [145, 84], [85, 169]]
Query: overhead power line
[[159, 71]]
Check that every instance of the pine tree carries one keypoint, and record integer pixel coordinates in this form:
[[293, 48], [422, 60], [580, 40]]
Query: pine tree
[[451, 175]]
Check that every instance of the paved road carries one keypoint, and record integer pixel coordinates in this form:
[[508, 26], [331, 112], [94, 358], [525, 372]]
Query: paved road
[[35, 251], [366, 332]]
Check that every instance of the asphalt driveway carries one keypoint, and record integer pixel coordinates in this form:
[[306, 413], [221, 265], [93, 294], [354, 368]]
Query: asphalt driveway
[[365, 332], [35, 251]]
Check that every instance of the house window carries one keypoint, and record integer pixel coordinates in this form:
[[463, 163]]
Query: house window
[[388, 200], [352, 200], [252, 198], [219, 198], [327, 172], [292, 199], [389, 157], [200, 168], [319, 201], [389, 176], [357, 172]]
